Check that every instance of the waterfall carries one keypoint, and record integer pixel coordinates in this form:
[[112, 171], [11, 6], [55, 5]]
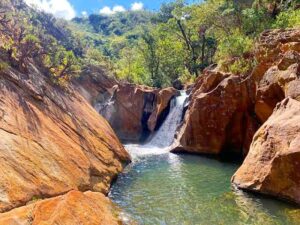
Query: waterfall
[[106, 108], [165, 135]]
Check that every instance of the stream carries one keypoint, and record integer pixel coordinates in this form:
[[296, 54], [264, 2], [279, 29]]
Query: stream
[[162, 188]]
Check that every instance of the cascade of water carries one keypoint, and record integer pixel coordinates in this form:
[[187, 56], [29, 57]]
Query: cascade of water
[[105, 108], [165, 135]]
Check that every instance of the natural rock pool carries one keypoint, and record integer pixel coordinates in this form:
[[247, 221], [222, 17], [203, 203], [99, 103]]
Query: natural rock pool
[[163, 188]]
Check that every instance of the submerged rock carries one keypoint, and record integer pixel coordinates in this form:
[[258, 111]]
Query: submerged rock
[[52, 141], [72, 208], [273, 162]]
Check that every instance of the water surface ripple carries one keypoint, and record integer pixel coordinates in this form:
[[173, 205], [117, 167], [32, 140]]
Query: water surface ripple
[[165, 189]]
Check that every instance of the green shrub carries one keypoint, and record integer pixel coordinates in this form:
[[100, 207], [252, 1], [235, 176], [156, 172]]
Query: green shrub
[[241, 66], [288, 19], [234, 45], [3, 66]]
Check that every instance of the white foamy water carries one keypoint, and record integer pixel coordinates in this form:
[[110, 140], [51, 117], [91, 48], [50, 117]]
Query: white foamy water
[[164, 137]]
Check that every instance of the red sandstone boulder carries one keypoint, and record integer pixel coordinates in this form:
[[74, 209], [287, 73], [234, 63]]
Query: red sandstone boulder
[[273, 163], [75, 207], [218, 115], [52, 141], [96, 84]]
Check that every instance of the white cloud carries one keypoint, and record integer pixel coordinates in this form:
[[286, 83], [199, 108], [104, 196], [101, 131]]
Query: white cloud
[[106, 10], [119, 8], [84, 14], [136, 6], [109, 11], [59, 8]]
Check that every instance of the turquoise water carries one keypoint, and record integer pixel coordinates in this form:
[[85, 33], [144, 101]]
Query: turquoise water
[[165, 189]]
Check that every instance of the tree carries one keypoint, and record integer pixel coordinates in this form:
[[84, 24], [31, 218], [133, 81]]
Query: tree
[[18, 38], [62, 65], [151, 57], [28, 48]]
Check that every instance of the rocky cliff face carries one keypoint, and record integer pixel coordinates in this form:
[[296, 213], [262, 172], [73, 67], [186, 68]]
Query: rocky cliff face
[[226, 110], [52, 142], [133, 111], [277, 72], [272, 165]]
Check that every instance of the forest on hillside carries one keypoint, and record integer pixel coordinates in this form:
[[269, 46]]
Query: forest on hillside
[[143, 47]]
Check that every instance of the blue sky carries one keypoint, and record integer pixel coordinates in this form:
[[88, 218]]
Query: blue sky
[[68, 9], [91, 6]]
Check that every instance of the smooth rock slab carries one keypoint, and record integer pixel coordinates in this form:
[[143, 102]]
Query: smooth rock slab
[[51, 141], [73, 208]]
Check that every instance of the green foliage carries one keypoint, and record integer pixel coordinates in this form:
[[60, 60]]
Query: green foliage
[[255, 20], [3, 66], [130, 67], [234, 45], [62, 65], [144, 47], [240, 66], [118, 24], [289, 18]]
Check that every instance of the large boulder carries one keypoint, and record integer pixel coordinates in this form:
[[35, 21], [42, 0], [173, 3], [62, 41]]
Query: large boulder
[[75, 207], [133, 111], [52, 141], [218, 116], [273, 163]]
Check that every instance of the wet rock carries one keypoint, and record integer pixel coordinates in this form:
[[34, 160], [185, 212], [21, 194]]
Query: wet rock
[[133, 111], [177, 84], [133, 106]]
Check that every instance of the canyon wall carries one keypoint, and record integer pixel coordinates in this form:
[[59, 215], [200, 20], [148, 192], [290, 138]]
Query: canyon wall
[[52, 142], [226, 111], [273, 163], [133, 111]]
